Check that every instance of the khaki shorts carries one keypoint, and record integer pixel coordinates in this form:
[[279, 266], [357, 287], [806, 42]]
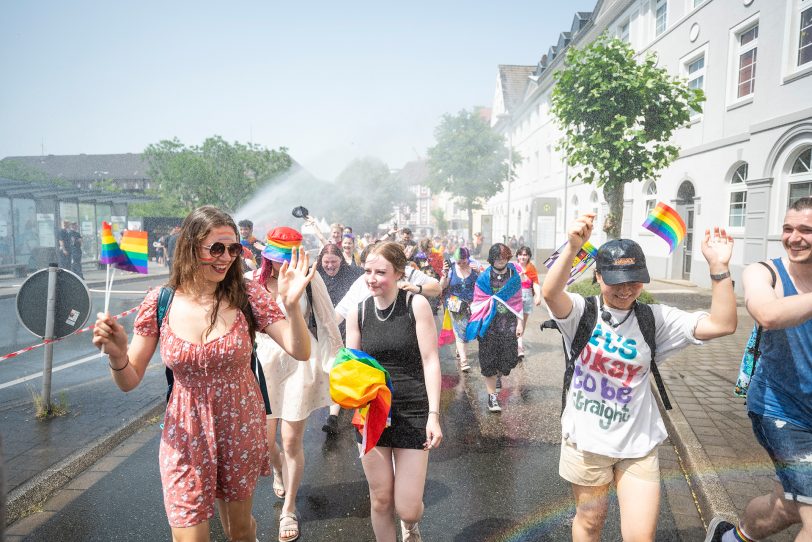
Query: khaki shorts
[[588, 469]]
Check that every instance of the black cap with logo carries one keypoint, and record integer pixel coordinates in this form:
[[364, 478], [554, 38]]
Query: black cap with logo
[[622, 260]]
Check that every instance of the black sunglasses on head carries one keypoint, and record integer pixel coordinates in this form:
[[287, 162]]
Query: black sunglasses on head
[[218, 249]]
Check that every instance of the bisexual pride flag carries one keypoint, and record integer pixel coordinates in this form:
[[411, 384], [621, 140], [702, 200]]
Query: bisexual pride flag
[[666, 223], [358, 381]]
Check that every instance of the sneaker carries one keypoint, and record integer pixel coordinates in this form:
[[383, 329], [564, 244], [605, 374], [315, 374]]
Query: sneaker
[[718, 526], [499, 383], [410, 534], [465, 366], [331, 425], [493, 403]]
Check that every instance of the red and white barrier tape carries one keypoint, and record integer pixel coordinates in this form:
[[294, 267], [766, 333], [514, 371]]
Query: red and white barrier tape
[[88, 328]]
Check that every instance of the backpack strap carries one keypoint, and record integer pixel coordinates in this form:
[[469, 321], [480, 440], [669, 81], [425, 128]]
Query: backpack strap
[[760, 330], [645, 321], [165, 297], [583, 333]]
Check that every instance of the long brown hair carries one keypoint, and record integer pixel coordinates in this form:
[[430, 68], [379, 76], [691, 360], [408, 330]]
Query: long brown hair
[[186, 267]]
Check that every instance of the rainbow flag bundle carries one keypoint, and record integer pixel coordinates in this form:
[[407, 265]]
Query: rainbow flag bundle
[[583, 260], [447, 331], [358, 381], [134, 246], [110, 251], [666, 223]]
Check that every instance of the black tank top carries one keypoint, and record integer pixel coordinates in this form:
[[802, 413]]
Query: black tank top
[[393, 342]]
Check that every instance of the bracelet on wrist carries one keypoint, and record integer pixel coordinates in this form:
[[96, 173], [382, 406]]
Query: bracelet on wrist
[[120, 368], [434, 412]]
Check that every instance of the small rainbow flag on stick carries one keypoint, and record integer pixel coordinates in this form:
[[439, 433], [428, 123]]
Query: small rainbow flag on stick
[[134, 245], [583, 260], [666, 222], [358, 381], [110, 251], [447, 331]]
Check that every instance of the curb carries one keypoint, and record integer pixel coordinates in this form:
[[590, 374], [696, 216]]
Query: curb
[[22, 501], [710, 496]]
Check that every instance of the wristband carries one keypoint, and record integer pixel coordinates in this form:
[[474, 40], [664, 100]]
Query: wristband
[[419, 288], [720, 276], [434, 412], [122, 367]]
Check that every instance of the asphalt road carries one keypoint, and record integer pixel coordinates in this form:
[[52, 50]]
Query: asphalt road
[[75, 360], [494, 479]]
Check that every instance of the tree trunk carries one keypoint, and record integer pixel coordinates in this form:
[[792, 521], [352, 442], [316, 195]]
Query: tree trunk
[[613, 193]]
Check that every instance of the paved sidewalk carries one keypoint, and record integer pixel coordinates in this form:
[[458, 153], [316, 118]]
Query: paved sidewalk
[[709, 425], [41, 456]]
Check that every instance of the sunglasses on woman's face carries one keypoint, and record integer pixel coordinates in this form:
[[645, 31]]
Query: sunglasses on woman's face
[[218, 249]]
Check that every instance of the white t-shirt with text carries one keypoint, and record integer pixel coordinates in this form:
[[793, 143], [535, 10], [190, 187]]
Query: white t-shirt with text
[[610, 407]]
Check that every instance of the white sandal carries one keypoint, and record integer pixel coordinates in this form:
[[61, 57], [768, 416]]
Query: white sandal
[[410, 534]]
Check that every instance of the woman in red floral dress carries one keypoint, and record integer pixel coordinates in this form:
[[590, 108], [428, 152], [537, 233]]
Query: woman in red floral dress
[[213, 445]]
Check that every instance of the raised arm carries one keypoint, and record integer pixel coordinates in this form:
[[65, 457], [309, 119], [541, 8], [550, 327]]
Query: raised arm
[[764, 305], [557, 300], [717, 248], [292, 334]]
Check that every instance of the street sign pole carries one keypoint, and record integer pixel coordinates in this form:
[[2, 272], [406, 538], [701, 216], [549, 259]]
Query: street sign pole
[[50, 318]]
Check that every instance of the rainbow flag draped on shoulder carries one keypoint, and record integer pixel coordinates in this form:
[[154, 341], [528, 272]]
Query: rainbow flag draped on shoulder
[[483, 308], [358, 381]]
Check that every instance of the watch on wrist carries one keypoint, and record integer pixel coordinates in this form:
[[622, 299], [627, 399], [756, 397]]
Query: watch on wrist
[[720, 276]]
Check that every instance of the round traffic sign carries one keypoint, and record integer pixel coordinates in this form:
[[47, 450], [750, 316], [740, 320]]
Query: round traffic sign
[[72, 303]]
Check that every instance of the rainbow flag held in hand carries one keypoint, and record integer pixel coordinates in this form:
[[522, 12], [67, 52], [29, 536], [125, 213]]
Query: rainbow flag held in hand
[[358, 381], [666, 223], [110, 251], [583, 260], [447, 331], [134, 246]]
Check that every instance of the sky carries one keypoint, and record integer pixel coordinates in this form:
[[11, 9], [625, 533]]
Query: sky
[[331, 81]]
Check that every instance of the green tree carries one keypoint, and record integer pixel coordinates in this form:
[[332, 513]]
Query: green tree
[[469, 160], [366, 193], [216, 172], [618, 116], [439, 218]]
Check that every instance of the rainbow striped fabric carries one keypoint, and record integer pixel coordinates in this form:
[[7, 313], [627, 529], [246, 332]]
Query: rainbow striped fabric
[[134, 244], [279, 251], [447, 331], [666, 223], [358, 381], [110, 251]]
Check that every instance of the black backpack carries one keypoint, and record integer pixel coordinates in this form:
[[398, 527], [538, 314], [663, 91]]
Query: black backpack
[[583, 333], [164, 300]]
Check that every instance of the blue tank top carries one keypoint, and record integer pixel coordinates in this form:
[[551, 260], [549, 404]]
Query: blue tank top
[[782, 385]]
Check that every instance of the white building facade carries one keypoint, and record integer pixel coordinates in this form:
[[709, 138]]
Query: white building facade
[[742, 160]]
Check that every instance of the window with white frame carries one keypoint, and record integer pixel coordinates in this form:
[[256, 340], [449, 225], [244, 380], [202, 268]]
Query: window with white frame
[[737, 208], [623, 31], [694, 70], [805, 33], [747, 41], [574, 207], [800, 180], [651, 197], [697, 3], [660, 16]]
